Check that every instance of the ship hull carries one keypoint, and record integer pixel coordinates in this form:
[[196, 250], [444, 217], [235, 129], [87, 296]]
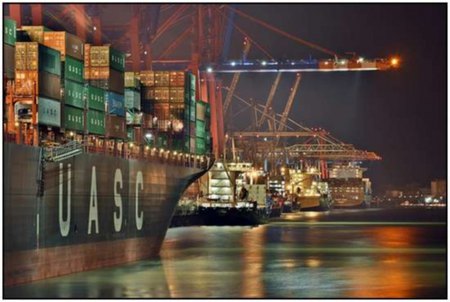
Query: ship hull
[[313, 203], [95, 211]]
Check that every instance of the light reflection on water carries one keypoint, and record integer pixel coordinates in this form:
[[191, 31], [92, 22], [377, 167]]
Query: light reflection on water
[[289, 260]]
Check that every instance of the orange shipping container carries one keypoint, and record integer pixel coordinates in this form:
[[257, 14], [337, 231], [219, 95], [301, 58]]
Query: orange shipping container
[[176, 94], [96, 73], [176, 78], [87, 55], [147, 121], [42, 83], [116, 127], [65, 43], [162, 111], [147, 78], [162, 78]]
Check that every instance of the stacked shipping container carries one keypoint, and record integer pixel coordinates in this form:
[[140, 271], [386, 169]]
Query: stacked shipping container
[[104, 69], [74, 103], [133, 107], [98, 98], [9, 42], [38, 71]]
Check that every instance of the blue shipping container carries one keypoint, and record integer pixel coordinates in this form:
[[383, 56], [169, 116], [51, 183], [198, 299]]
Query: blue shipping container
[[115, 103]]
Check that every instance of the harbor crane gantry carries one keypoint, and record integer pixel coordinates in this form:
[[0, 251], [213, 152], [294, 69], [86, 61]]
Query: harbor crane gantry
[[208, 28]]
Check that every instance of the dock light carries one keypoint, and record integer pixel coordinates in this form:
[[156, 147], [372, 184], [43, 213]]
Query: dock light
[[264, 63], [360, 60], [209, 69], [394, 62], [342, 62], [233, 63], [326, 63]]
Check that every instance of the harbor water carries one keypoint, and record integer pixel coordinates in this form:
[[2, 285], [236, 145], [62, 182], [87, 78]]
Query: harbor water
[[374, 253]]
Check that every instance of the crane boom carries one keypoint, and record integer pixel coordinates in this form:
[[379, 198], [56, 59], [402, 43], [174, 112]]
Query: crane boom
[[269, 101], [289, 103], [235, 79]]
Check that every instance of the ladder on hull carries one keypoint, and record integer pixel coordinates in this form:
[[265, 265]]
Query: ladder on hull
[[58, 153]]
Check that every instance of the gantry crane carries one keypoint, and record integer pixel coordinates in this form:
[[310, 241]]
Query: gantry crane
[[236, 76]]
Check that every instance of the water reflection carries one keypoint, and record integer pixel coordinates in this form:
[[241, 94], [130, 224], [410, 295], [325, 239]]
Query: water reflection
[[144, 279], [280, 260], [253, 242]]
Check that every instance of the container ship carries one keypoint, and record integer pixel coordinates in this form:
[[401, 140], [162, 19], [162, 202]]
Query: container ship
[[348, 187], [310, 192], [95, 158]]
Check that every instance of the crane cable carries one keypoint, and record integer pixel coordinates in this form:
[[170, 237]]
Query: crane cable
[[247, 36], [281, 32]]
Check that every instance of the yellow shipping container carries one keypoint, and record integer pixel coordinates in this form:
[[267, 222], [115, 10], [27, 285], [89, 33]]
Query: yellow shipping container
[[87, 55], [162, 94], [26, 56], [176, 78], [99, 55], [36, 33], [162, 78], [176, 94], [96, 73], [147, 78]]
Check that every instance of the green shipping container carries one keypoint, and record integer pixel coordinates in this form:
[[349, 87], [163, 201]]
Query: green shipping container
[[186, 145], [117, 59], [200, 146], [73, 94], [190, 82], [49, 112], [74, 70], [200, 129], [49, 60], [96, 122], [201, 110], [130, 133], [95, 98], [192, 112], [73, 118], [9, 31], [132, 99]]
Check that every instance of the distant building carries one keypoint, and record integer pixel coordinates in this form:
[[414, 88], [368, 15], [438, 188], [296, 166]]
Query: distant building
[[439, 188], [426, 191], [394, 193]]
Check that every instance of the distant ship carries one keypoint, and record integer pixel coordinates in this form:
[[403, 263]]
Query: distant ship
[[309, 190], [348, 187]]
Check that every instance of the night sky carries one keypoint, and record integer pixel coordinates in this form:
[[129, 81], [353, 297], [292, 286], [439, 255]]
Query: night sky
[[401, 115]]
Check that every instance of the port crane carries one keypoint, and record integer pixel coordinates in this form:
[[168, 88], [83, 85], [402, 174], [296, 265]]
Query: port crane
[[208, 26]]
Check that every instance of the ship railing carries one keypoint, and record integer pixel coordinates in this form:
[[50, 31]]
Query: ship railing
[[62, 152], [160, 156]]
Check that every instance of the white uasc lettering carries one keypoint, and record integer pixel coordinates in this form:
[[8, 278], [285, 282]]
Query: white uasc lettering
[[64, 224], [118, 201], [139, 217], [93, 211]]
